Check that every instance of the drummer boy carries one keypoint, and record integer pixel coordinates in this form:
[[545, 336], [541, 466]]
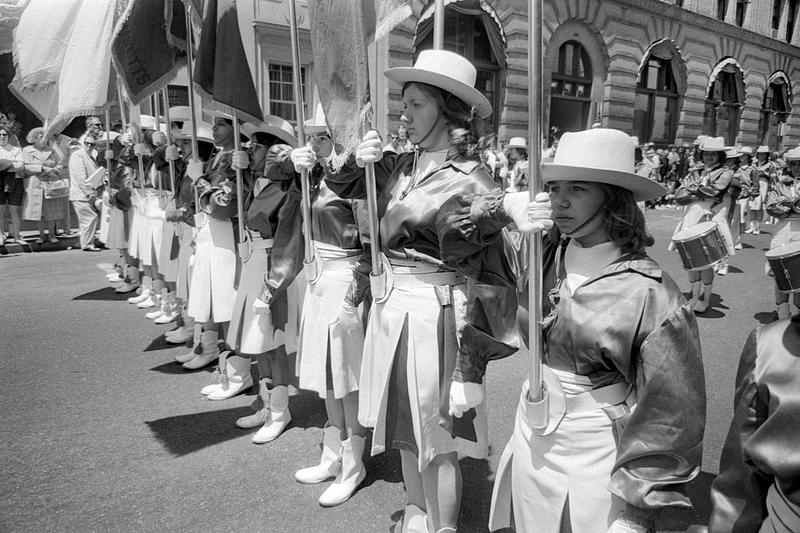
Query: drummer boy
[[787, 239]]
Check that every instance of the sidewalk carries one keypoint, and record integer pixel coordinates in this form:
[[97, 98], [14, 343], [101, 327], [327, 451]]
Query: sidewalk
[[66, 241]]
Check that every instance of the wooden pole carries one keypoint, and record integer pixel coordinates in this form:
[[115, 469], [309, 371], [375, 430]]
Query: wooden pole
[[171, 163], [535, 185], [237, 146], [438, 25], [192, 104], [305, 204]]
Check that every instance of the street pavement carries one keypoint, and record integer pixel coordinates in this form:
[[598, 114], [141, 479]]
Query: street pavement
[[102, 431]]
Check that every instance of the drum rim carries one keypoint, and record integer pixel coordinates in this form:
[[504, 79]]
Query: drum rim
[[711, 227], [792, 246]]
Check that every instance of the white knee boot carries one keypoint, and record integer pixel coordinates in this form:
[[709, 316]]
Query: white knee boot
[[236, 378], [696, 287], [352, 474], [330, 464], [196, 349], [279, 416], [260, 417], [705, 298], [414, 520], [209, 354]]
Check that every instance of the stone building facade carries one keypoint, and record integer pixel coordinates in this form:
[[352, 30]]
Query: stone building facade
[[663, 70]]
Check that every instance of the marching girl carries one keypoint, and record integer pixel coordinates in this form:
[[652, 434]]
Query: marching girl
[[332, 334], [745, 175], [212, 291], [765, 173], [711, 201], [783, 202], [625, 404], [182, 214], [411, 339], [732, 207]]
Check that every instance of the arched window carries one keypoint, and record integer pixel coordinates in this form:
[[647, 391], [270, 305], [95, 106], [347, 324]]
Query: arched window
[[571, 88], [724, 101], [472, 32], [775, 110], [655, 113]]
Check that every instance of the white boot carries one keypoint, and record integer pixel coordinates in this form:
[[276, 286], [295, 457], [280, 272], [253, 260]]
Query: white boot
[[702, 304], [696, 286], [217, 376], [159, 312], [209, 353], [153, 300], [131, 281], [260, 417], [784, 311], [170, 311], [352, 474], [144, 295], [236, 378], [414, 520], [183, 333], [331, 462], [196, 350], [279, 416]]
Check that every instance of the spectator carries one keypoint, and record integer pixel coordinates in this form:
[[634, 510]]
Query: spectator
[[12, 189], [45, 192], [60, 145], [14, 125], [85, 177], [515, 173], [403, 140], [94, 128]]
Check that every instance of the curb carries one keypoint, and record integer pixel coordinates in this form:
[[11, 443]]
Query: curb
[[64, 243]]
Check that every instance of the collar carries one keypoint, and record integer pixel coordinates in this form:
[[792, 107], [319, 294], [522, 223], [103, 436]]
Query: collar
[[639, 263]]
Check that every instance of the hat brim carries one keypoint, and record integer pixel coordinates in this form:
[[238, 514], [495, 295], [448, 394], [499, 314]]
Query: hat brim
[[313, 129], [470, 95], [643, 189], [250, 130]]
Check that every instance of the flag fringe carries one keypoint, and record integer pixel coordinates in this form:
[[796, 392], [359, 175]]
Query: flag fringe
[[391, 21], [338, 160]]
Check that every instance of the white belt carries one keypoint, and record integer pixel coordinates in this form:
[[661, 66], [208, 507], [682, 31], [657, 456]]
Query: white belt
[[603, 397], [404, 280], [260, 244]]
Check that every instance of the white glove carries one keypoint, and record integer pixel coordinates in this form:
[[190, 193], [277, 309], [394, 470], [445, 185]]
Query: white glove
[[159, 138], [240, 160], [109, 155], [348, 317], [260, 307], [303, 158], [194, 170], [139, 149], [528, 216], [464, 396], [171, 153], [620, 525], [370, 150], [126, 138]]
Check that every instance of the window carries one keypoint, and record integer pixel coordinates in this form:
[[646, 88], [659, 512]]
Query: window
[[571, 88], [741, 11], [723, 105], [774, 112], [791, 17], [776, 14], [466, 34], [281, 91], [722, 8], [679, 3], [655, 113]]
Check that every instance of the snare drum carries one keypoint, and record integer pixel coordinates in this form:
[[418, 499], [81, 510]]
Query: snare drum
[[700, 246], [785, 263]]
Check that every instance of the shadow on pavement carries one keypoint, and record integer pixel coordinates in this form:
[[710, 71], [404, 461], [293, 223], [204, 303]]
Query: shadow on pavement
[[714, 309], [160, 343], [185, 434], [476, 496], [699, 491], [308, 410], [766, 317], [104, 294]]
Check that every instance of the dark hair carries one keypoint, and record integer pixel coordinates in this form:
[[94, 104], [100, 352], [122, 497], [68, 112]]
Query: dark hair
[[463, 124], [624, 221]]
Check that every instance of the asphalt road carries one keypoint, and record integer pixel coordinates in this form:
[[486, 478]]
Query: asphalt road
[[102, 431]]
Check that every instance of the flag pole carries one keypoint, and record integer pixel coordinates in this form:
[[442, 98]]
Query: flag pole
[[535, 123], [438, 25], [305, 204], [192, 104], [237, 146], [165, 97], [157, 116]]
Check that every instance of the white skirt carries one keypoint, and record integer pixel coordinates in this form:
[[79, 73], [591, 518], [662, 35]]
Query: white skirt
[[185, 234], [417, 313], [212, 292], [540, 475], [118, 229], [149, 228], [324, 342], [169, 250]]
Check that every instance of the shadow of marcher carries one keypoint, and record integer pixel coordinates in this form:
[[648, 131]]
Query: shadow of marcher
[[715, 308], [184, 434], [766, 317], [160, 343], [104, 294], [699, 492], [476, 495]]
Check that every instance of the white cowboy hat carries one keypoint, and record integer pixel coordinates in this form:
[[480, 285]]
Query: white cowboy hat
[[180, 113], [763, 149], [204, 131], [793, 154], [600, 155], [272, 125], [448, 71], [713, 144], [317, 123], [700, 140], [731, 152], [517, 142], [745, 150]]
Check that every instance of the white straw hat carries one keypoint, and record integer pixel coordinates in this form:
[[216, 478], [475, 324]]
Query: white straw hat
[[731, 152], [793, 154], [713, 144], [204, 131], [272, 125], [600, 155], [180, 113], [517, 142], [745, 150], [763, 149], [448, 71]]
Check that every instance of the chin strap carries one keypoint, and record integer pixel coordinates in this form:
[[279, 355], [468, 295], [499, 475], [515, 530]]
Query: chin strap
[[595, 215]]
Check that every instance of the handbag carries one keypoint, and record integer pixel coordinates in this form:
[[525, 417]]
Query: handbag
[[58, 188]]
